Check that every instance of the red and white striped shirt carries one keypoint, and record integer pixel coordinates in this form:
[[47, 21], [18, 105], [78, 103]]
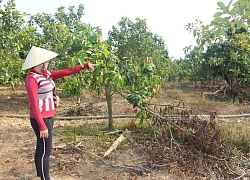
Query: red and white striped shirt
[[42, 91]]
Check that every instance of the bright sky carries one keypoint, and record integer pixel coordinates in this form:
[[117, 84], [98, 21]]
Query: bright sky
[[166, 18]]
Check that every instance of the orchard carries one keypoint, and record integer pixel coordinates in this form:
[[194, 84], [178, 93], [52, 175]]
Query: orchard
[[166, 97]]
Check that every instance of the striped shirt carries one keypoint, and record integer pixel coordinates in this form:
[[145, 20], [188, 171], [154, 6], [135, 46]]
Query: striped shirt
[[42, 92]]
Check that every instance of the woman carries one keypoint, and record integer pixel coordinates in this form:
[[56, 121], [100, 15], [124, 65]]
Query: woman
[[42, 99]]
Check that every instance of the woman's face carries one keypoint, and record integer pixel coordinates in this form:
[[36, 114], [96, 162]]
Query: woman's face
[[46, 64], [39, 67]]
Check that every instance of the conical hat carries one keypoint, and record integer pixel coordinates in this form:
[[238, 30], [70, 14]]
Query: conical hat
[[37, 56]]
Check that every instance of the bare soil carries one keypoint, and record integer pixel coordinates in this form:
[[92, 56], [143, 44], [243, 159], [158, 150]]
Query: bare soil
[[17, 143], [76, 161]]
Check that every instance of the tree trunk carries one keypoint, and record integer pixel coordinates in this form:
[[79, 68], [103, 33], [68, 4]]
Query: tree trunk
[[109, 103], [78, 99]]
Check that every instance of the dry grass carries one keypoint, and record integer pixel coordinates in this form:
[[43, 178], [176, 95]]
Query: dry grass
[[235, 131]]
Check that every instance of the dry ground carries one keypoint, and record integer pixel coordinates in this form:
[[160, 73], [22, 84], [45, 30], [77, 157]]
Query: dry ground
[[17, 143], [17, 140]]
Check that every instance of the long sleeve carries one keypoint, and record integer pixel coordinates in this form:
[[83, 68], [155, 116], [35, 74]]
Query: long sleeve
[[32, 90], [67, 72]]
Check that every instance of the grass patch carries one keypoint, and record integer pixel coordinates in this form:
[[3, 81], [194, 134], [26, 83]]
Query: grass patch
[[171, 95], [236, 133], [95, 134], [91, 133], [175, 92]]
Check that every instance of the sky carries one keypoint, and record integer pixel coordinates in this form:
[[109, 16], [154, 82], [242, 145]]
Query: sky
[[166, 18]]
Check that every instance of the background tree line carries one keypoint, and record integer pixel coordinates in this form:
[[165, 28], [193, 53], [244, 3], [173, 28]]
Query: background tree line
[[222, 50]]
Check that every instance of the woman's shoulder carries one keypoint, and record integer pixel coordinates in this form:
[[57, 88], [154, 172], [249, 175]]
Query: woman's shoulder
[[32, 76]]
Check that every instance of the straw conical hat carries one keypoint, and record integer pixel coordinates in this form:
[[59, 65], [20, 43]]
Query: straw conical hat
[[37, 56]]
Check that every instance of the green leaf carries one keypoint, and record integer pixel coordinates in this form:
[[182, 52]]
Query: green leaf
[[233, 11], [221, 5], [97, 70], [73, 62], [239, 24], [194, 33], [93, 38], [234, 30], [106, 53], [217, 14], [218, 32], [140, 116], [198, 41]]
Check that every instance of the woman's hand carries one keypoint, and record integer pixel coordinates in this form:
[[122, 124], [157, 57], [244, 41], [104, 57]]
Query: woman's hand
[[44, 134], [92, 66]]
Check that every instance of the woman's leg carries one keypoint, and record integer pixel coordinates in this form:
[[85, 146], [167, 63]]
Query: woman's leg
[[37, 156], [43, 148]]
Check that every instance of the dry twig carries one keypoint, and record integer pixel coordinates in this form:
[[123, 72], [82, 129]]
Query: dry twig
[[121, 138]]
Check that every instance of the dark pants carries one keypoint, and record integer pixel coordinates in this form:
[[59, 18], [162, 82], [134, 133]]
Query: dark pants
[[43, 148]]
